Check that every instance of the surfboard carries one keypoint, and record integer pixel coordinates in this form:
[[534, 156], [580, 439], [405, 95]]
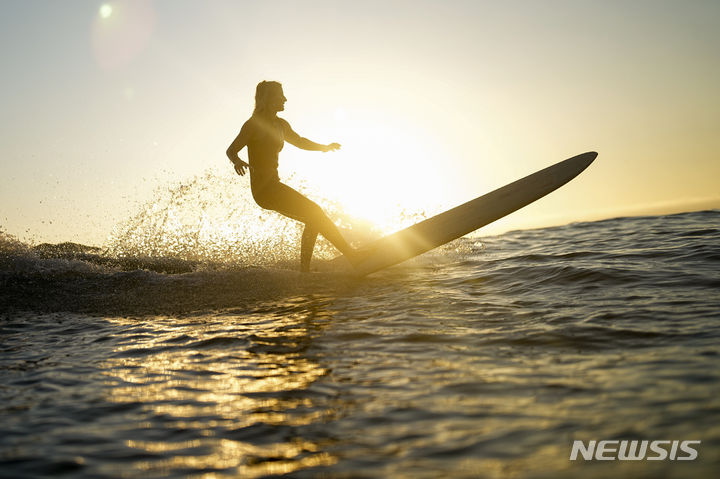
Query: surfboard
[[467, 217]]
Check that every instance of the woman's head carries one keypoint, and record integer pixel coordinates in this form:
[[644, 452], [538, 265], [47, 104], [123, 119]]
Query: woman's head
[[269, 97]]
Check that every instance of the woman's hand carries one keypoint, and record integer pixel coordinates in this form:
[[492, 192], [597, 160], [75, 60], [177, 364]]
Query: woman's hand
[[240, 166], [331, 147]]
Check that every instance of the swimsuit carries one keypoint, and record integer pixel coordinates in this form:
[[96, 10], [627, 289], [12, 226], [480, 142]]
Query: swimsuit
[[269, 193]]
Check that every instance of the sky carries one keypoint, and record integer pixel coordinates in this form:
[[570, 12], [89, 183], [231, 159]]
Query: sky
[[106, 103]]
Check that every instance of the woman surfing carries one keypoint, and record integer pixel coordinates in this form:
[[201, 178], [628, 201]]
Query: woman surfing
[[264, 134]]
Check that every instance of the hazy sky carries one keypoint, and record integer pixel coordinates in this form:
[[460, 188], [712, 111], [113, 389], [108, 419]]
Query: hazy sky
[[104, 102]]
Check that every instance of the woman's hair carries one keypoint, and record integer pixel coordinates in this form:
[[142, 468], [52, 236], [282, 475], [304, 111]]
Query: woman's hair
[[262, 93]]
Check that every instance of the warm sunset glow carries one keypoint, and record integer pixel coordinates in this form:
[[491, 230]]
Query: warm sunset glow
[[443, 102], [387, 174]]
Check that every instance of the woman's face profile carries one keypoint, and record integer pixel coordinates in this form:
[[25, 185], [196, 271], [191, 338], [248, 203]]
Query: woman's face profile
[[277, 100]]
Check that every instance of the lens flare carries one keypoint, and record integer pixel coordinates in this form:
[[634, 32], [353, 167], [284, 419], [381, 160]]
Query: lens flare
[[121, 32], [106, 10]]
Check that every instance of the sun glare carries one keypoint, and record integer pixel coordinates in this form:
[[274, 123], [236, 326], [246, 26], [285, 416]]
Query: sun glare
[[387, 175]]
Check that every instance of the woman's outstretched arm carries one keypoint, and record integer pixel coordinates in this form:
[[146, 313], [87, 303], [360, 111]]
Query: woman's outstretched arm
[[303, 143]]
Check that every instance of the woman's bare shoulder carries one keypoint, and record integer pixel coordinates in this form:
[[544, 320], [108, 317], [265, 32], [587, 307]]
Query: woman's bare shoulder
[[285, 124], [250, 125]]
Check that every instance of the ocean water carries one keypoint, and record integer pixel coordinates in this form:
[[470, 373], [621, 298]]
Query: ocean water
[[485, 358]]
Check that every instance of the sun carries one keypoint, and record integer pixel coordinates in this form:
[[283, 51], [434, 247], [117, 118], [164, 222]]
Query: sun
[[384, 186], [388, 175]]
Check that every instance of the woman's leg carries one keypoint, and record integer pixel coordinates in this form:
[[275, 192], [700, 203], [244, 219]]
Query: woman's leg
[[331, 232], [306, 247], [292, 204]]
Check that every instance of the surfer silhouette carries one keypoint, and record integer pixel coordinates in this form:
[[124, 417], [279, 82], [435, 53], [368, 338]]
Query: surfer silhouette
[[264, 134]]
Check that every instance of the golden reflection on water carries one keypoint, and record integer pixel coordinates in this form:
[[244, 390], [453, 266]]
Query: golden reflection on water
[[202, 376], [229, 454]]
